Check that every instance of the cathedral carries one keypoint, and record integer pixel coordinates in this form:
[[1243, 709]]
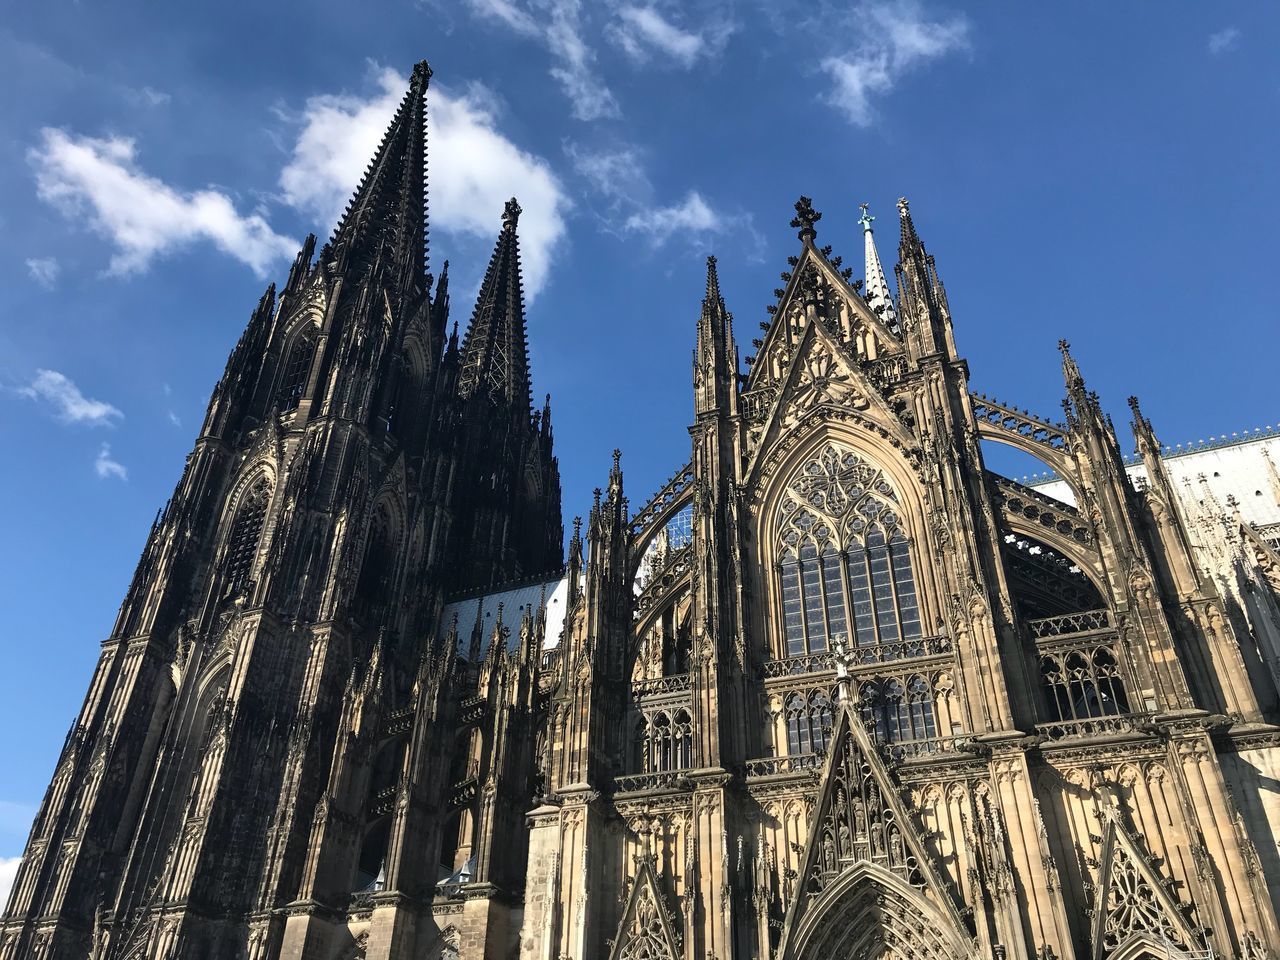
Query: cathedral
[[836, 691]]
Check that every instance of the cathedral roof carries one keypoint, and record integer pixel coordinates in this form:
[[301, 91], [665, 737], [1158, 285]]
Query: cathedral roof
[[549, 593]]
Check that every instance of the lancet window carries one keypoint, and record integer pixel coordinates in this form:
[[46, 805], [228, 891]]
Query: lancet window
[[809, 719], [898, 709], [246, 532], [1083, 683], [297, 369], [664, 741], [379, 561], [844, 560]]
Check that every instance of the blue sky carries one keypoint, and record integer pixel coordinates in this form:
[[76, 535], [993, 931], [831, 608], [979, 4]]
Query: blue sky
[[1099, 171]]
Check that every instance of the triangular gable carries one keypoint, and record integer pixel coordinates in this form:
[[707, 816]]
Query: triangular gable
[[859, 819], [822, 373], [646, 931], [1132, 900], [810, 258]]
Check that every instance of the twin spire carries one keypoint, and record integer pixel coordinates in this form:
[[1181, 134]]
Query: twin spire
[[385, 227]]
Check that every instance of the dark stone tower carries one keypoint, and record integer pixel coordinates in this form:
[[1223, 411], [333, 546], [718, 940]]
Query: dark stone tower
[[261, 736]]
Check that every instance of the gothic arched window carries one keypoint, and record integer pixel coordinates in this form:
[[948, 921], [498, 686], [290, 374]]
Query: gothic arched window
[[246, 532], [898, 709], [297, 369], [1083, 683], [841, 548], [809, 719], [379, 561]]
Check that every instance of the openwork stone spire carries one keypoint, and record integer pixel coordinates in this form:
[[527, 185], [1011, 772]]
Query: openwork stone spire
[[495, 355], [876, 287], [389, 208]]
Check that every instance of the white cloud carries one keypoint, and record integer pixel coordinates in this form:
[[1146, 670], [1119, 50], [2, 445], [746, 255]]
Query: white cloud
[[558, 24], [691, 216], [43, 270], [105, 467], [144, 216], [642, 31], [1224, 40], [900, 37], [617, 174], [474, 168], [69, 404], [8, 873]]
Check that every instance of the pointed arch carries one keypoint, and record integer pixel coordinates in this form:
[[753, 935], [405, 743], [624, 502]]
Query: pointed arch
[[837, 552], [871, 913], [299, 356], [244, 526]]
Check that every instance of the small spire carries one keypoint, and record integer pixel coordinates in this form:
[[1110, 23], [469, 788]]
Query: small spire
[[904, 215], [876, 288], [805, 219], [495, 355], [713, 282], [1070, 370]]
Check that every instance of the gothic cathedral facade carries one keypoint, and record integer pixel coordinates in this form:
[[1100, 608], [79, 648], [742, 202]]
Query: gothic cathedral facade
[[837, 690]]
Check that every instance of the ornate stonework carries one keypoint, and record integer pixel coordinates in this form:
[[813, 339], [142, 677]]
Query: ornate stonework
[[836, 691]]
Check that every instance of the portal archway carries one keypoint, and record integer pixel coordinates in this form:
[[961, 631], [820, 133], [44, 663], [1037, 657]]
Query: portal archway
[[869, 913]]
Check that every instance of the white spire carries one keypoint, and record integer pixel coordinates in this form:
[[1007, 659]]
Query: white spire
[[876, 289]]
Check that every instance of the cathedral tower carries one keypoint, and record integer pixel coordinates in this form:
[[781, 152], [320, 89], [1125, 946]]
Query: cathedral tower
[[262, 737]]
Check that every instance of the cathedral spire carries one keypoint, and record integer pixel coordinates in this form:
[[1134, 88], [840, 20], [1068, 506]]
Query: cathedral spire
[[495, 357], [926, 317], [876, 287], [389, 208], [716, 356]]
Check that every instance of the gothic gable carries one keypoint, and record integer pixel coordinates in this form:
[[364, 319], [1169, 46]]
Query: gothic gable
[[866, 871], [820, 373], [814, 279], [646, 931], [1133, 904]]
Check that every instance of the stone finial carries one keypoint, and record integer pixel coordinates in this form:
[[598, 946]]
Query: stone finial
[[805, 218]]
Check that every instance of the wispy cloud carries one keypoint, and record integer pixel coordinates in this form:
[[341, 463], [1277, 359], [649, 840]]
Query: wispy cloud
[[558, 25], [642, 32], [105, 467], [44, 271], [1224, 40], [8, 873], [900, 37], [68, 403], [144, 217], [148, 97], [474, 167], [691, 217], [615, 173]]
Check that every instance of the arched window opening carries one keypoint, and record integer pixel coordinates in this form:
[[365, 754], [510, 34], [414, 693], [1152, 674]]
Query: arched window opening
[[844, 561], [1080, 684], [372, 864], [246, 533], [1045, 583], [662, 742], [809, 720], [898, 710], [297, 370], [379, 562]]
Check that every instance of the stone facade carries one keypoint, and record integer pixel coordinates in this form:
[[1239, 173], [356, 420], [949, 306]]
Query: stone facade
[[836, 690]]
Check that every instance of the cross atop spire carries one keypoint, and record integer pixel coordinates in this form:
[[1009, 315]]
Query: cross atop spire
[[389, 207], [713, 284], [495, 355], [876, 287], [805, 218]]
